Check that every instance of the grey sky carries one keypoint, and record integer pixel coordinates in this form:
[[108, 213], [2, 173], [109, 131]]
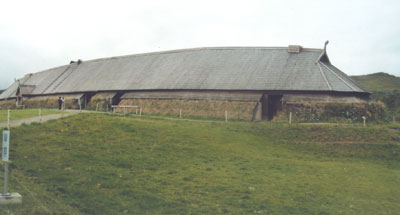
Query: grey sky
[[37, 35]]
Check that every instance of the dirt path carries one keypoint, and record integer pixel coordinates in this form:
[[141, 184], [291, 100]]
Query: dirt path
[[39, 119]]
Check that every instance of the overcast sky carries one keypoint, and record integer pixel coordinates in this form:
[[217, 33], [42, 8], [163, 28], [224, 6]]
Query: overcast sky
[[36, 35]]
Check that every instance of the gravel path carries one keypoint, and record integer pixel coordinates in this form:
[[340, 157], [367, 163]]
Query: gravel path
[[39, 119]]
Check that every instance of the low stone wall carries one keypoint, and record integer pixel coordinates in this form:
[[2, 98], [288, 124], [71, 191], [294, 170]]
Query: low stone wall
[[210, 109], [331, 112]]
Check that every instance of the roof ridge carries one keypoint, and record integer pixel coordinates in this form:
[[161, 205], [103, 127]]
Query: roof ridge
[[48, 70], [182, 50], [200, 48]]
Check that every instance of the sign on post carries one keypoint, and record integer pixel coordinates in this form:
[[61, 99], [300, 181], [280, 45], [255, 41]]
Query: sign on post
[[6, 145]]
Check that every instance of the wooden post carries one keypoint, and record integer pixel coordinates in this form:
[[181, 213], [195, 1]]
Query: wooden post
[[80, 105], [124, 111], [136, 111], [97, 106], [180, 113], [226, 116], [364, 118], [40, 114], [140, 111], [8, 119], [290, 117]]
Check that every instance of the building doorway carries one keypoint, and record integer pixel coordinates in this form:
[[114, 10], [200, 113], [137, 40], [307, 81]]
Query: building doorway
[[271, 104]]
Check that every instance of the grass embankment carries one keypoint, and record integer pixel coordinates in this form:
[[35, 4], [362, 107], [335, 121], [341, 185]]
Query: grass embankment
[[379, 82], [97, 164], [25, 113]]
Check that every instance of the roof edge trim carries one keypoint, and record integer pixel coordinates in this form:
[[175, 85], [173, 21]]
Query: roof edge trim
[[338, 76], [324, 76]]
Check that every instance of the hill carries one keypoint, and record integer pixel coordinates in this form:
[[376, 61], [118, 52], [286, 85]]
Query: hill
[[99, 164], [378, 82]]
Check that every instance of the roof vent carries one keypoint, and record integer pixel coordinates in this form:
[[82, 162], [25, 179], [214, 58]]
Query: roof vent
[[79, 61], [294, 49]]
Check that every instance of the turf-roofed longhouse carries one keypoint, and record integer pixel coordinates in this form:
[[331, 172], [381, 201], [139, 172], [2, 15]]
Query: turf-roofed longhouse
[[250, 83]]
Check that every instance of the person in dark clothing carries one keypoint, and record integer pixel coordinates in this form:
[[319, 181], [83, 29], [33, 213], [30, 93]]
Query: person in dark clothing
[[59, 103]]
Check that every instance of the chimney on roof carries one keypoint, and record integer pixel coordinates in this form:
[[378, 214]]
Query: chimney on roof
[[294, 49], [79, 61]]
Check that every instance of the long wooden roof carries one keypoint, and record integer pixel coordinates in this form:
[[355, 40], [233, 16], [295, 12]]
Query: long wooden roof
[[220, 68]]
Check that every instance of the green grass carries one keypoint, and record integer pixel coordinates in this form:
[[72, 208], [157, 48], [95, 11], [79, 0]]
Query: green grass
[[379, 82], [24, 113], [98, 164]]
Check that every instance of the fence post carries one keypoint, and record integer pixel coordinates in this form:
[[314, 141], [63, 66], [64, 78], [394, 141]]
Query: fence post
[[180, 113], [290, 117], [40, 114], [8, 119], [136, 111], [226, 116], [5, 193], [124, 111], [140, 111], [97, 106], [364, 118]]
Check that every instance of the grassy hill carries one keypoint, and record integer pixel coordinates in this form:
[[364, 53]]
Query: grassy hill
[[378, 82], [385, 88], [98, 164]]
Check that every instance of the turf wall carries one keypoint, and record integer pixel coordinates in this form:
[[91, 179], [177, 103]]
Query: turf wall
[[331, 112], [195, 108]]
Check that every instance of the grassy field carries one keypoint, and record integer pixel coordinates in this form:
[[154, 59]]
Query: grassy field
[[98, 164], [25, 113]]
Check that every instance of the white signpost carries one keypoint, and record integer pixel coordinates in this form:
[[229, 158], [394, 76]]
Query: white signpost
[[6, 197], [6, 146], [4, 156]]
